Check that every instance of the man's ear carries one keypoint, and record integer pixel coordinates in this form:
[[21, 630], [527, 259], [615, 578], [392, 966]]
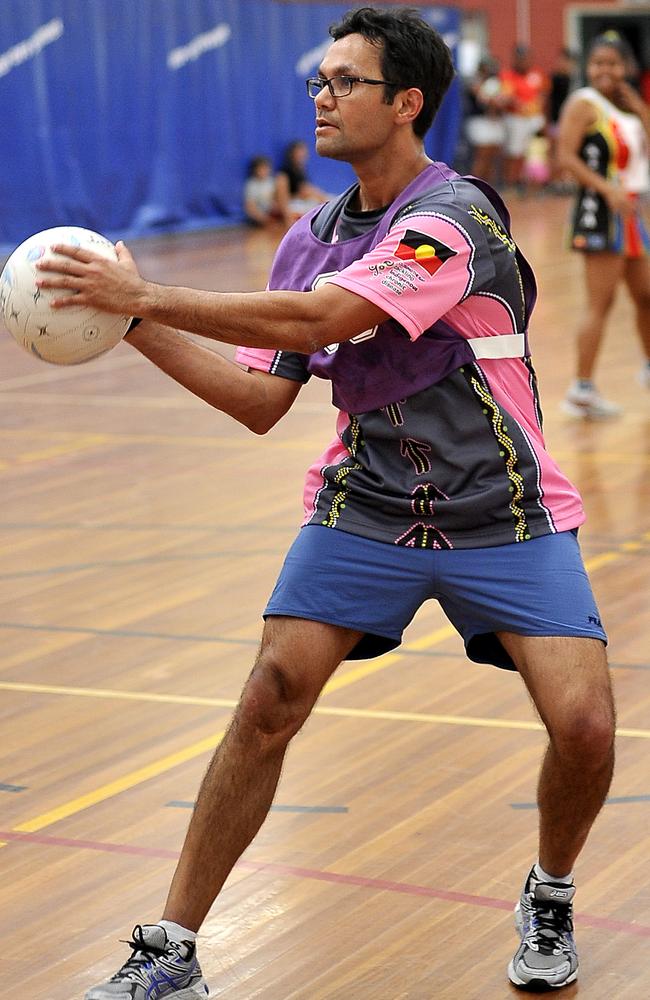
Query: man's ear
[[409, 104]]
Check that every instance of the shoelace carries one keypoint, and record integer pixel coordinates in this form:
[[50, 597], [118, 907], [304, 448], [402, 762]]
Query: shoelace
[[141, 953], [549, 925]]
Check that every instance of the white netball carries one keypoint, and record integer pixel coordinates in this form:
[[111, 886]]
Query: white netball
[[62, 337]]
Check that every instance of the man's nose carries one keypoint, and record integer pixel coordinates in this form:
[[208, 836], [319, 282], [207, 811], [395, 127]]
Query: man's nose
[[324, 99]]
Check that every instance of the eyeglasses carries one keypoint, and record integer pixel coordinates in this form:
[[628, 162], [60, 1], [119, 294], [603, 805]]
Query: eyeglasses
[[341, 86]]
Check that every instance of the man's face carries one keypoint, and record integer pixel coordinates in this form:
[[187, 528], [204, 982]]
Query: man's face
[[352, 128]]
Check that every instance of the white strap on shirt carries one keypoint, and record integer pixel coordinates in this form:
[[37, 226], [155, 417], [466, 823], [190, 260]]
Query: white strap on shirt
[[504, 345]]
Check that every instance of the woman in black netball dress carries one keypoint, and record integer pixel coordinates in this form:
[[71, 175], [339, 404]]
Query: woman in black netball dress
[[604, 141]]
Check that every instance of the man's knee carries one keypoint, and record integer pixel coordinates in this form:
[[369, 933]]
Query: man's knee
[[583, 733], [275, 701]]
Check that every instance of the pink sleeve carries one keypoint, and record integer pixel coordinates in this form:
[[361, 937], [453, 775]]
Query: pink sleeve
[[286, 364], [256, 357], [417, 273]]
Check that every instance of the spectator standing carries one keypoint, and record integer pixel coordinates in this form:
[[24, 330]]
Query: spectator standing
[[603, 141], [484, 125], [562, 81], [526, 88]]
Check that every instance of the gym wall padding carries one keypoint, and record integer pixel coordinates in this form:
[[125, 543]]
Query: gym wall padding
[[139, 116]]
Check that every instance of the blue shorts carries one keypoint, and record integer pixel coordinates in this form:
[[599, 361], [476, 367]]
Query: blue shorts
[[538, 587]]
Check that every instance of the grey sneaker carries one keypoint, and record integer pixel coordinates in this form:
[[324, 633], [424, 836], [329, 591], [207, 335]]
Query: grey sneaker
[[588, 404], [158, 968], [547, 957]]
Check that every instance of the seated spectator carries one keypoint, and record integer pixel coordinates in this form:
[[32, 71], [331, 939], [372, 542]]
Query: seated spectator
[[296, 193], [261, 203]]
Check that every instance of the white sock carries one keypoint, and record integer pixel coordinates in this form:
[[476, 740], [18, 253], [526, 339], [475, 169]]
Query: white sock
[[542, 876], [177, 933]]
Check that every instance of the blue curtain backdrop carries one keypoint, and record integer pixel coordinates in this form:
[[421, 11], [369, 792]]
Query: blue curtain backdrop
[[139, 116]]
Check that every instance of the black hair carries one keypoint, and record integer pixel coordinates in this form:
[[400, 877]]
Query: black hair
[[255, 162], [612, 40], [289, 150], [413, 54]]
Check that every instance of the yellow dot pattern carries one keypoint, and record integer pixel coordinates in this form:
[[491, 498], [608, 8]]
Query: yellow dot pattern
[[338, 500], [509, 453]]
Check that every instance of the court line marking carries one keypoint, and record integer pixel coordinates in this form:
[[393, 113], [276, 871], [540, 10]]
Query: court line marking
[[213, 442], [122, 784], [126, 633], [141, 561], [158, 767], [78, 442], [592, 563], [87, 524], [246, 441], [335, 684], [322, 875], [385, 715], [614, 800], [276, 807], [186, 401]]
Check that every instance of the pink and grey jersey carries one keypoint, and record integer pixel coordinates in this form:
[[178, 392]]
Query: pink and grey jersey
[[439, 439]]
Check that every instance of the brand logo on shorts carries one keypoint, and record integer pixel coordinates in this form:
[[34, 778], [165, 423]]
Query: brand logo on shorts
[[594, 620]]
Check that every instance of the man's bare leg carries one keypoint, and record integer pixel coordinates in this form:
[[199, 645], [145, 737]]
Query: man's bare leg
[[295, 661], [568, 680]]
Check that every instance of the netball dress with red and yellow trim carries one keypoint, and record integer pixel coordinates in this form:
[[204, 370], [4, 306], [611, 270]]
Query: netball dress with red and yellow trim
[[617, 149]]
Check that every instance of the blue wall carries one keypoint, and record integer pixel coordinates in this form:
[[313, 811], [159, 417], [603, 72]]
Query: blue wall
[[139, 116]]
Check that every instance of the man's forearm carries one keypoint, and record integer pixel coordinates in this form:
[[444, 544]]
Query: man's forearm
[[279, 320], [211, 377], [276, 320]]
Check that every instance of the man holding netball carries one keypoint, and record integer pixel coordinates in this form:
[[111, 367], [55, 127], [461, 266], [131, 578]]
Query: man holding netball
[[410, 295]]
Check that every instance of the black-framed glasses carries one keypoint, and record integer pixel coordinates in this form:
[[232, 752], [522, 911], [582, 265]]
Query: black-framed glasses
[[341, 86]]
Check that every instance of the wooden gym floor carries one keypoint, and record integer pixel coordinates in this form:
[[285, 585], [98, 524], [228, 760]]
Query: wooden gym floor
[[136, 564]]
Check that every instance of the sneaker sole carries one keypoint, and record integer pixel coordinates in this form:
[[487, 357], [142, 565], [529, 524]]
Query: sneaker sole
[[538, 985], [188, 994], [585, 413]]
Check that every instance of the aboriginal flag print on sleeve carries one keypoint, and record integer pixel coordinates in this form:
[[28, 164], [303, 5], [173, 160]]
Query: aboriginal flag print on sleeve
[[424, 250], [423, 268]]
